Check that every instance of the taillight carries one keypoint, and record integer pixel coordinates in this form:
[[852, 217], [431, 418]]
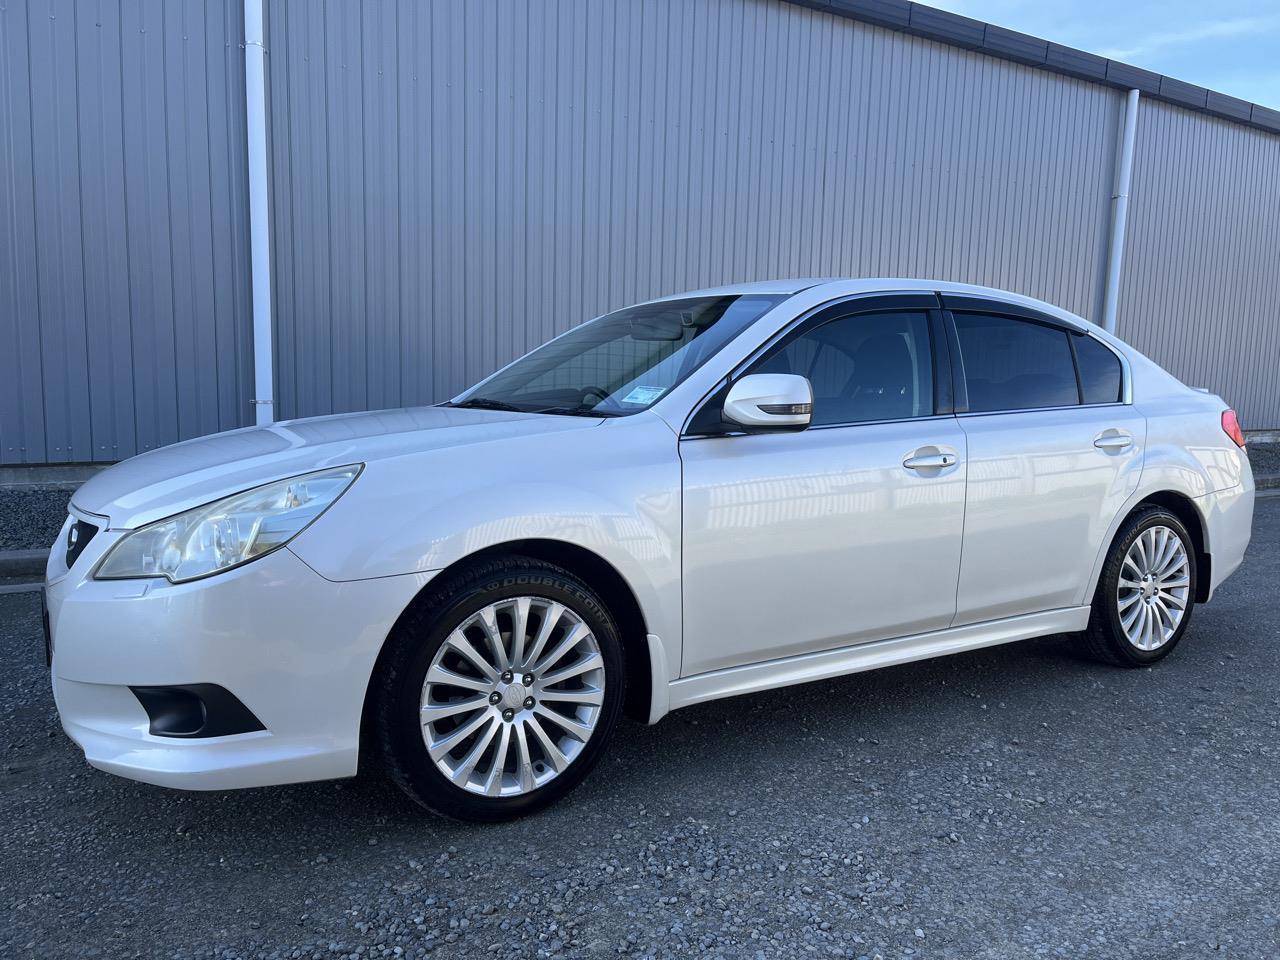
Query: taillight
[[1231, 427]]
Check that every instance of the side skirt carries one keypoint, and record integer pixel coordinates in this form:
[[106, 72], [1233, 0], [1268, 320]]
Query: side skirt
[[871, 656]]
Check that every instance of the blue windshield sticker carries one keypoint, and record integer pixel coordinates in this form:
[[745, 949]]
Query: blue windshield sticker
[[644, 394]]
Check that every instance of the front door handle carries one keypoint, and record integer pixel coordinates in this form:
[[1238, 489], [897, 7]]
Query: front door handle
[[932, 461], [1113, 440]]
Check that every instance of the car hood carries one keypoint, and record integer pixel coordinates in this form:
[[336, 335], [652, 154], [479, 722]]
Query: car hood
[[176, 478]]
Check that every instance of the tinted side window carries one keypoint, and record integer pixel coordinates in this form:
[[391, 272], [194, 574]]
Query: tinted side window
[[1099, 371], [1015, 364], [864, 367]]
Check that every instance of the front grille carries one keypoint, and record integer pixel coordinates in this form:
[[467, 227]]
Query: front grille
[[78, 537]]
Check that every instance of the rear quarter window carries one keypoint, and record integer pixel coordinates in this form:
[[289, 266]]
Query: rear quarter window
[[1100, 375]]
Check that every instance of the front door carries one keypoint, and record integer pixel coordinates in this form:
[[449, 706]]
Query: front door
[[843, 533]]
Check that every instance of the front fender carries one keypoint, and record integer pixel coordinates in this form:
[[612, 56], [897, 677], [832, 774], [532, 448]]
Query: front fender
[[614, 490]]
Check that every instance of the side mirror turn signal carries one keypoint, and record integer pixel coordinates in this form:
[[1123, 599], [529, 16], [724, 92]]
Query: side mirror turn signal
[[778, 401]]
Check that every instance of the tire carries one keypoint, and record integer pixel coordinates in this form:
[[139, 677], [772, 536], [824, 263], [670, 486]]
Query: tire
[[470, 607], [1113, 623]]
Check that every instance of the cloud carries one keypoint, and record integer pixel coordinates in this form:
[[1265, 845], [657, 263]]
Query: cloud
[[1239, 26]]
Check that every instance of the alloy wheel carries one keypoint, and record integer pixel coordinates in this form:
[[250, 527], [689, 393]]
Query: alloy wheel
[[1154, 588], [512, 696]]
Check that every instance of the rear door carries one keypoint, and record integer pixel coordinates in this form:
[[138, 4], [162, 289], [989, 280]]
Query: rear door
[[1054, 452]]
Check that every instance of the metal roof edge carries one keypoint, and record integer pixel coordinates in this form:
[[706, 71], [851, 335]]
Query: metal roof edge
[[942, 26]]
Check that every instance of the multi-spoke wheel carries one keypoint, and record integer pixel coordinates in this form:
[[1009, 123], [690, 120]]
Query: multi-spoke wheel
[[512, 696], [1146, 591], [499, 689], [1154, 587]]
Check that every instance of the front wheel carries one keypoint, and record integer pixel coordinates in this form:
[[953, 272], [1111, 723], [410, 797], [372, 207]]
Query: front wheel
[[499, 690], [1146, 591]]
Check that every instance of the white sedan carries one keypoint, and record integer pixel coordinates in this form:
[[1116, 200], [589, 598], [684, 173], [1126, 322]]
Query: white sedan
[[705, 495]]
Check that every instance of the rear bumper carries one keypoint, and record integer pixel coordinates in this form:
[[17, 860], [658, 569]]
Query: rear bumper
[[1228, 521], [295, 649]]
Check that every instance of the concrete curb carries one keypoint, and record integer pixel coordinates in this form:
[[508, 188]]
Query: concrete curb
[[65, 476], [23, 563]]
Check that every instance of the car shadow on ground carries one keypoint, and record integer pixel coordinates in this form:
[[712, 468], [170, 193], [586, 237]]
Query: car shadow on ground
[[710, 746]]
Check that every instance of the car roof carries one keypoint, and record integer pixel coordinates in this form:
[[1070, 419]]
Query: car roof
[[756, 287], [840, 287]]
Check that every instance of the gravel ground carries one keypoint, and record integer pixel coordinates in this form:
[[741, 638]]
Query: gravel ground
[[1014, 802], [1264, 458], [30, 517]]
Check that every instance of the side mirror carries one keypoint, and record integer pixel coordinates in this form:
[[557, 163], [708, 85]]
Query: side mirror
[[778, 401]]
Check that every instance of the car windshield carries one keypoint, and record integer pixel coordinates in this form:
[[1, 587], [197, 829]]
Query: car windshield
[[622, 362]]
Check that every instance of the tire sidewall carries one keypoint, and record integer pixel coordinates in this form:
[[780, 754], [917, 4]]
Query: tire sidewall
[[425, 781], [1110, 612]]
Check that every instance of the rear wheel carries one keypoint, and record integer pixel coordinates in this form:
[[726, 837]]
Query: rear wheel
[[1146, 592], [499, 690]]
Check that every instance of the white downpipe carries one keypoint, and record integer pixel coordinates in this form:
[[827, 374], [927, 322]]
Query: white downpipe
[[1120, 213], [255, 103]]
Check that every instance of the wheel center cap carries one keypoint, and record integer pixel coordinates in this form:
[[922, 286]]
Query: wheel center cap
[[513, 696]]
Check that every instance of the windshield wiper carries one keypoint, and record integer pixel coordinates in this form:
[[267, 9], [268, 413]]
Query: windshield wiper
[[484, 403], [487, 403], [578, 412]]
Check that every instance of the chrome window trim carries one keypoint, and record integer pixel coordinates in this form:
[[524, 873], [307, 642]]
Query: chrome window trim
[[933, 416], [817, 426], [1065, 406]]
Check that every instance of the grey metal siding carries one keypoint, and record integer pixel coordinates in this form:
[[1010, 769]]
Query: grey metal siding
[[454, 183], [1201, 283], [123, 246]]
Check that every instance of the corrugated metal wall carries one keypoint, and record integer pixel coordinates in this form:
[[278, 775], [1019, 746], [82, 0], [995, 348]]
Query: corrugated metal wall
[[1201, 287], [456, 182], [124, 317]]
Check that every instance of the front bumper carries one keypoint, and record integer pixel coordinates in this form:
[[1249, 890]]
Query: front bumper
[[297, 650]]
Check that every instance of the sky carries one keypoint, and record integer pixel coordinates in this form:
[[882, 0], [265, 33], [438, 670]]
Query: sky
[[1232, 46]]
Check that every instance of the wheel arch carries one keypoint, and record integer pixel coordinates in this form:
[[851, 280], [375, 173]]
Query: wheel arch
[[618, 596], [1185, 509], [594, 570]]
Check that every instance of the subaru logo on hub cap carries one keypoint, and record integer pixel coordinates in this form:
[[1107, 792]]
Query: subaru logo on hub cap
[[513, 696]]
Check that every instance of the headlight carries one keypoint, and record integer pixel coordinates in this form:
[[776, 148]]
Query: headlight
[[228, 532]]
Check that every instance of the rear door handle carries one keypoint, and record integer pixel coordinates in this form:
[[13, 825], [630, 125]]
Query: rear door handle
[[1112, 440], [931, 461]]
